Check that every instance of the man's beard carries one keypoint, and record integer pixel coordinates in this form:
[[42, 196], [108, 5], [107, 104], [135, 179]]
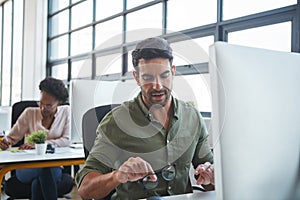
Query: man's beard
[[157, 93]]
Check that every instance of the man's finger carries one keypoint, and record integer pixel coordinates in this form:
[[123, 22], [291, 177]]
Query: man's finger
[[203, 179]]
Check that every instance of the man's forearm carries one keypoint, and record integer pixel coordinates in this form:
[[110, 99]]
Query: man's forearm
[[96, 185]]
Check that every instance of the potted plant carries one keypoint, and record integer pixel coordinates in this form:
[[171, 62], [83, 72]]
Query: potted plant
[[39, 139]]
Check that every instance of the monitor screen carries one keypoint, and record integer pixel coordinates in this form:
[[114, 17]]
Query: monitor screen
[[255, 122]]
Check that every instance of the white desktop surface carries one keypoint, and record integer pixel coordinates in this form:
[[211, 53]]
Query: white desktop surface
[[196, 195], [63, 156], [62, 153]]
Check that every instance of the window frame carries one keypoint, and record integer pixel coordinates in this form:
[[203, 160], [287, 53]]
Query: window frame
[[219, 30]]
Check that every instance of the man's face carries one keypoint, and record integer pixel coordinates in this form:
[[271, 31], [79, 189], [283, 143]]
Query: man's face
[[155, 77]]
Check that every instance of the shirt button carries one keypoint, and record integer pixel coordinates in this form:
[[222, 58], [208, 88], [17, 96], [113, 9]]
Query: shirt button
[[169, 187]]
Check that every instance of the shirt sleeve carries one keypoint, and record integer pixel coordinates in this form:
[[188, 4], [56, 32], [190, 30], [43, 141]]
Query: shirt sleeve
[[104, 156], [91, 165], [203, 152], [20, 128]]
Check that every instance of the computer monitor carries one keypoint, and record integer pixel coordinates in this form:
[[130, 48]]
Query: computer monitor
[[87, 94], [255, 122]]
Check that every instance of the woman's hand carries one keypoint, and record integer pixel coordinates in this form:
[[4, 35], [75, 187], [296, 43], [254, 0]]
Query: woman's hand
[[4, 144], [27, 146]]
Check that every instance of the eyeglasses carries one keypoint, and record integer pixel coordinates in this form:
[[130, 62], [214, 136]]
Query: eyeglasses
[[168, 173], [46, 106]]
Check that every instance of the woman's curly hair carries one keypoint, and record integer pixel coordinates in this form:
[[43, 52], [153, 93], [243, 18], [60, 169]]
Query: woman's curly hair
[[55, 87]]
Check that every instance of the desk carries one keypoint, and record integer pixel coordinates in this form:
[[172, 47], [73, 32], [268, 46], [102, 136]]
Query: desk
[[211, 195], [29, 159]]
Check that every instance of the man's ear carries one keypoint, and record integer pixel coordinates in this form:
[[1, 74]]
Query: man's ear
[[173, 70], [136, 77]]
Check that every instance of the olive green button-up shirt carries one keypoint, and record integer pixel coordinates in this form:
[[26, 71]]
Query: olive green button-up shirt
[[131, 131]]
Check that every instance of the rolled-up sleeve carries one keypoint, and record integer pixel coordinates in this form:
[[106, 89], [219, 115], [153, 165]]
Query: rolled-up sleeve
[[20, 128]]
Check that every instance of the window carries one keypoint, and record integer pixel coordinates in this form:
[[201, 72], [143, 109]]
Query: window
[[196, 90], [82, 14], [260, 37], [108, 8], [59, 47], [109, 64], [145, 25], [135, 3], [237, 8], [191, 51], [109, 33], [58, 4], [60, 71], [195, 13], [60, 23], [204, 43], [82, 68], [81, 41], [91, 39]]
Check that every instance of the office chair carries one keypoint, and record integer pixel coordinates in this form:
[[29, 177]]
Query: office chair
[[13, 187], [90, 122], [17, 110]]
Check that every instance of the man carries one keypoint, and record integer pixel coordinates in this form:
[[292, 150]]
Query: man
[[145, 147]]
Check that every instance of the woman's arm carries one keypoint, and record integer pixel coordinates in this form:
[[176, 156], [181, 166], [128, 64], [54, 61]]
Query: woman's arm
[[20, 128]]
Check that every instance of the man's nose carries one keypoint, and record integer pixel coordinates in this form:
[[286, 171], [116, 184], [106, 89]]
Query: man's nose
[[157, 84]]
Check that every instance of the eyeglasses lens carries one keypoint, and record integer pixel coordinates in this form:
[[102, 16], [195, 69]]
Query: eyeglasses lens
[[168, 173], [46, 106], [149, 185]]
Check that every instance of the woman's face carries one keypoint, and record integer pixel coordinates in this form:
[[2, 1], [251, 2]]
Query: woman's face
[[48, 104]]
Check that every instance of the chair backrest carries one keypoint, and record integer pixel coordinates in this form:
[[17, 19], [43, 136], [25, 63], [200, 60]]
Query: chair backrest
[[90, 122], [17, 110]]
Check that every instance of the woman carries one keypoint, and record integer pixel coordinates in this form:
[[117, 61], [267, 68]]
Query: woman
[[53, 117]]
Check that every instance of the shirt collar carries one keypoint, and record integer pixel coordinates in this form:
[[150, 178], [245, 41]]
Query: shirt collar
[[58, 110]]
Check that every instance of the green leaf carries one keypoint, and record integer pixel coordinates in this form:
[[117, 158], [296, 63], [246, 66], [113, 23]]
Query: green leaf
[[38, 137]]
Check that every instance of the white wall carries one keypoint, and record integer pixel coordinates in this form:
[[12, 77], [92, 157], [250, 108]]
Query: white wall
[[34, 56], [5, 118], [35, 44]]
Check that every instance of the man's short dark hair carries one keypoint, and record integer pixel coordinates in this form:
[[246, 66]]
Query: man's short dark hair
[[54, 87], [150, 48]]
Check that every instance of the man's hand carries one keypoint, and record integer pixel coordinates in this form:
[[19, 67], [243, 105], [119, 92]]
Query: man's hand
[[206, 174], [4, 144], [134, 169]]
